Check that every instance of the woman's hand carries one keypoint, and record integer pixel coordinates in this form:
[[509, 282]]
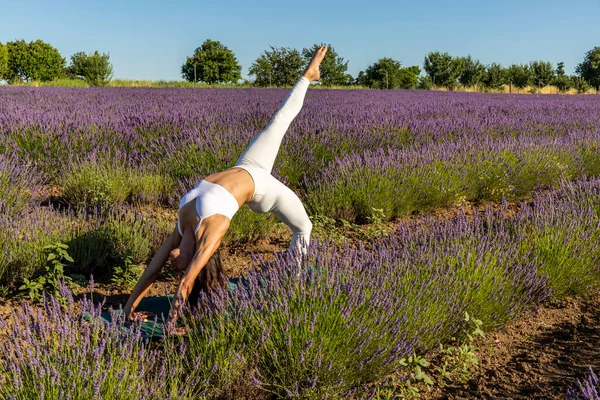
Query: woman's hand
[[178, 331], [141, 316]]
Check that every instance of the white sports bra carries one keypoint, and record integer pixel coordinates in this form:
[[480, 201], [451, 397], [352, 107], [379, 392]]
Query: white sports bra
[[211, 199]]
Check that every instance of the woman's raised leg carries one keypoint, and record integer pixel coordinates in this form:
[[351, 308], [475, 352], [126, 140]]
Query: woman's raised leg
[[263, 149]]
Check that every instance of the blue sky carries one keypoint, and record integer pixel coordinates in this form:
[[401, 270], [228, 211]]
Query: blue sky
[[151, 39]]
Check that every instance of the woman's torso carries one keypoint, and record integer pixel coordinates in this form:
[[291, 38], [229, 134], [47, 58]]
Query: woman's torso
[[236, 181]]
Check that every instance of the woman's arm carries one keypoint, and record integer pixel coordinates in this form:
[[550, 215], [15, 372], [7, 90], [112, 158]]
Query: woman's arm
[[151, 272], [206, 245]]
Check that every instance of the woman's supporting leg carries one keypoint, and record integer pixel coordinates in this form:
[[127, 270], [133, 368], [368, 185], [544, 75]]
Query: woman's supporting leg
[[290, 210], [263, 149]]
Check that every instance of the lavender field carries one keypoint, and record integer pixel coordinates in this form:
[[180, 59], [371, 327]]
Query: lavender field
[[90, 168]]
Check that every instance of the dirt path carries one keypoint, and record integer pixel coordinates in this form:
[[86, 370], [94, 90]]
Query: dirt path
[[539, 356]]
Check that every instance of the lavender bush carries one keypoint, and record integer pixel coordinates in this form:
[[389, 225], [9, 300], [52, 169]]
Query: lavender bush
[[347, 318], [587, 389]]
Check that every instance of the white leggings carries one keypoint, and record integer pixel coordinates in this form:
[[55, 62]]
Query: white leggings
[[270, 195]]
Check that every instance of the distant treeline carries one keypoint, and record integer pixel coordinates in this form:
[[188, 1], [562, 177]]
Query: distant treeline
[[214, 63]]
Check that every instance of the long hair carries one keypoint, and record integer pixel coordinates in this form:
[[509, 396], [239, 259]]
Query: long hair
[[210, 279]]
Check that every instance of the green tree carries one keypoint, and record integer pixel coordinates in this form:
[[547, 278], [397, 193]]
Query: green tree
[[333, 68], [495, 76], [580, 84], [19, 59], [96, 69], [384, 74], [443, 69], [388, 73], [3, 61], [279, 67], [589, 69], [561, 80], [361, 79], [519, 74], [425, 83], [77, 66], [214, 63], [542, 73], [35, 60], [409, 77], [472, 71]]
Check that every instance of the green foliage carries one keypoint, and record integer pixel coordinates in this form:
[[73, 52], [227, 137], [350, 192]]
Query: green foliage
[[149, 187], [77, 66], [279, 67], [213, 62], [415, 364], [561, 80], [388, 74], [565, 258], [112, 238], [589, 68], [458, 360], [91, 183], [580, 84], [127, 274], [443, 69], [425, 83], [247, 226], [495, 76], [542, 73], [33, 61], [361, 79], [326, 228], [519, 74], [472, 71], [15, 191], [54, 276], [3, 61], [333, 67], [97, 69]]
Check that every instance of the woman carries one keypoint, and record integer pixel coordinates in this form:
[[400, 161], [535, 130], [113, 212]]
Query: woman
[[205, 211]]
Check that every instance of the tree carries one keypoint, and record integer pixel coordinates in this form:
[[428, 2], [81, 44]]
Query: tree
[[279, 67], [425, 83], [542, 73], [580, 84], [443, 69], [3, 61], [495, 76], [33, 61], [389, 74], [95, 68], [19, 59], [77, 66], [589, 69], [361, 79], [383, 74], [409, 77], [472, 71], [519, 74], [561, 80], [333, 68], [213, 63]]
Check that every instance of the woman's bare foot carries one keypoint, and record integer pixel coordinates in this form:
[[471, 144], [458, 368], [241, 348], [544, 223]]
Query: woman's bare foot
[[312, 72]]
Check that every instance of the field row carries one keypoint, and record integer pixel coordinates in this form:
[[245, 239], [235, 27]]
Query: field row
[[356, 156], [352, 316]]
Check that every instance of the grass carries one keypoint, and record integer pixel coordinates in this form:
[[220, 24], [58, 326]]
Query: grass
[[133, 83]]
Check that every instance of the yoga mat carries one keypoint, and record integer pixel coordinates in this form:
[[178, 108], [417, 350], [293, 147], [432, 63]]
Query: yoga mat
[[159, 306]]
